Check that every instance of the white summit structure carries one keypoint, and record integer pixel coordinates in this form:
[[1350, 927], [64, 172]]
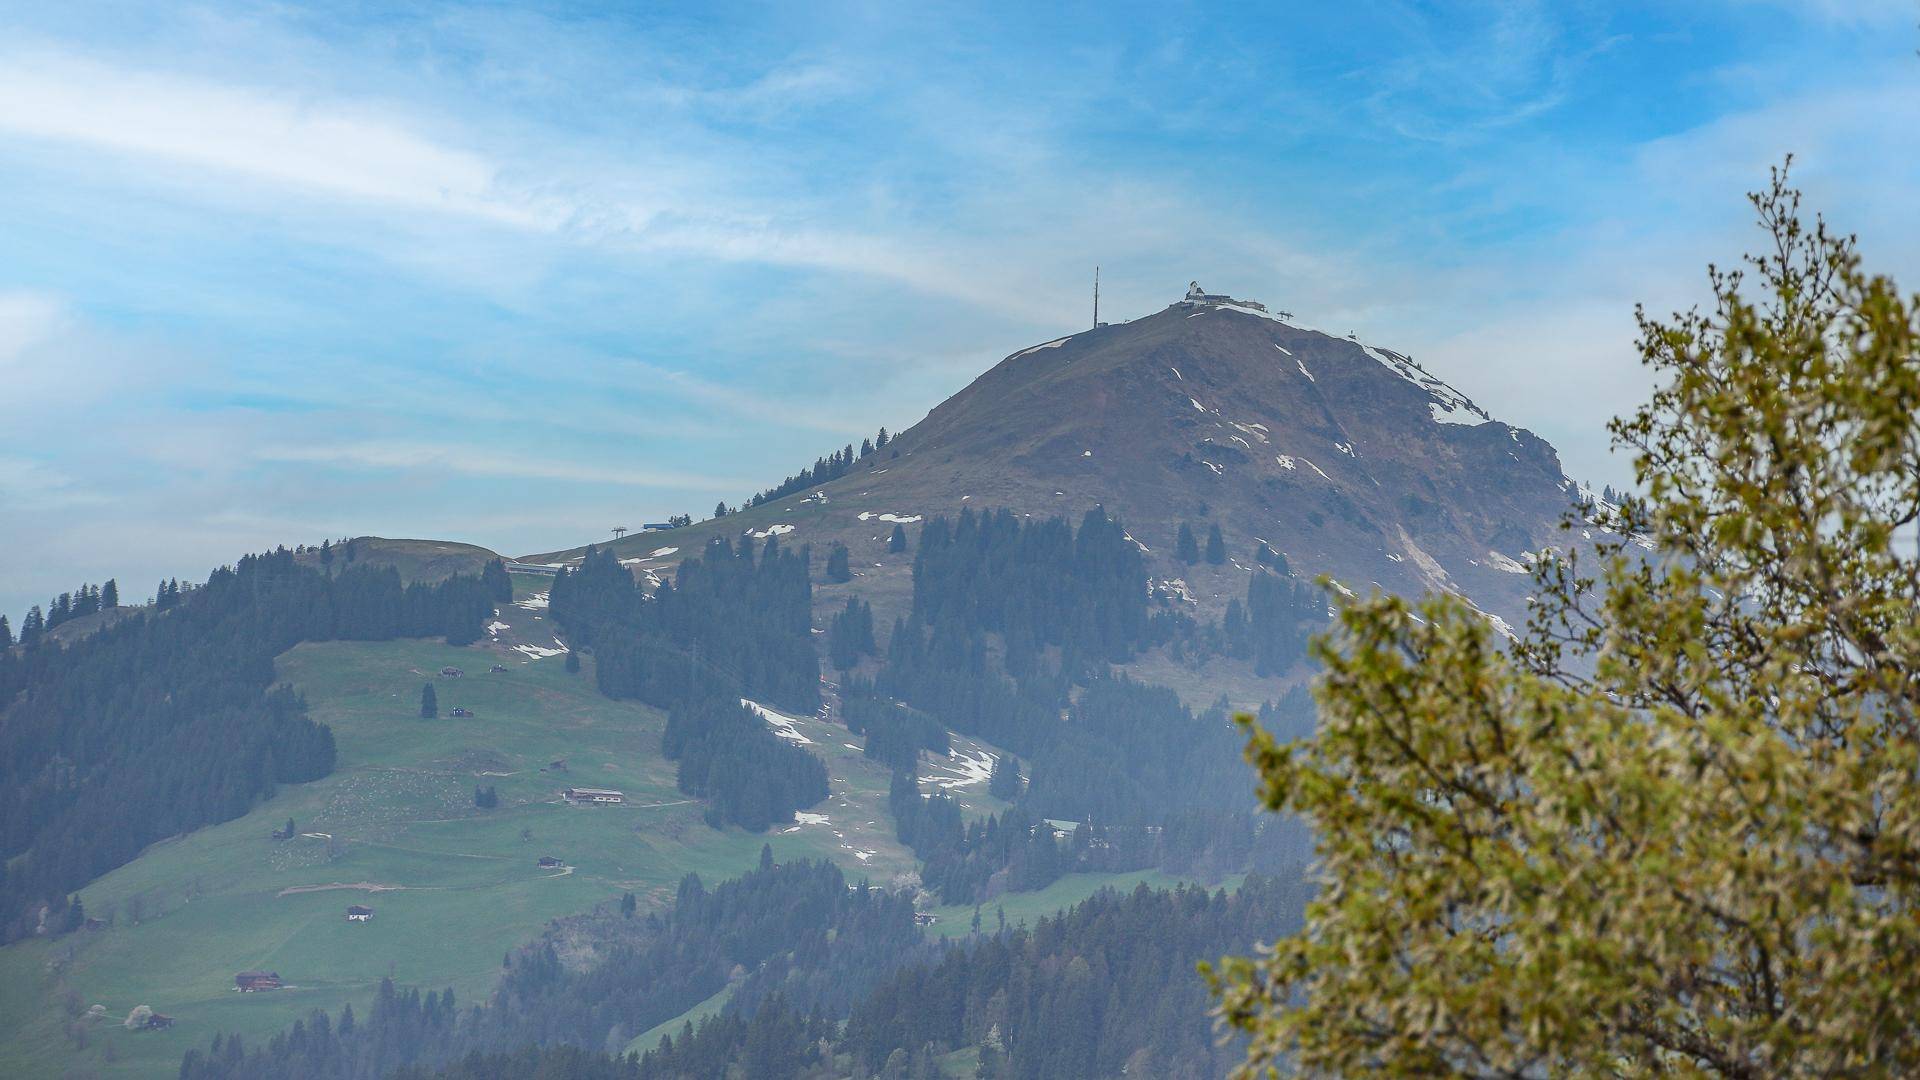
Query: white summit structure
[[1197, 296]]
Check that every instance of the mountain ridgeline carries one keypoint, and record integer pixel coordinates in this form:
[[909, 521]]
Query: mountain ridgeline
[[1265, 442]]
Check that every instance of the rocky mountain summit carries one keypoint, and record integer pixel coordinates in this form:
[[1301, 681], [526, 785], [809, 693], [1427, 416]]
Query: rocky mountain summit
[[1345, 457]]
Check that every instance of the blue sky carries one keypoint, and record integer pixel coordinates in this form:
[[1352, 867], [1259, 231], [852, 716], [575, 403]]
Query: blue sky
[[514, 274]]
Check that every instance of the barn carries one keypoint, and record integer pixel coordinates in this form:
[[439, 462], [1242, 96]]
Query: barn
[[593, 795]]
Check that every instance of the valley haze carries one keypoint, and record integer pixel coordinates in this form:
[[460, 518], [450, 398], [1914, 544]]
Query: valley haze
[[986, 542]]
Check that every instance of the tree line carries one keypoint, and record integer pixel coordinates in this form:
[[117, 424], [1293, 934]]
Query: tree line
[[793, 938], [831, 467], [730, 625], [828, 981], [168, 721], [86, 600]]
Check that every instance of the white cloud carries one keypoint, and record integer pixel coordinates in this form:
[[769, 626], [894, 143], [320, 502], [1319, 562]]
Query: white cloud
[[382, 157], [480, 461], [27, 319], [325, 147]]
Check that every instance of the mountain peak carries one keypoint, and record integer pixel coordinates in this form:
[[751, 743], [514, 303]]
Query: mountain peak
[[1347, 458]]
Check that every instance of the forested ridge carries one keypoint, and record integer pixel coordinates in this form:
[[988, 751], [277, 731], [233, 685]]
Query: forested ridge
[[1063, 606], [829, 980], [1014, 628], [728, 618], [169, 720], [730, 625]]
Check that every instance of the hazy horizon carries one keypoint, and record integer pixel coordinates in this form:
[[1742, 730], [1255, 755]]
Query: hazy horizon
[[278, 273]]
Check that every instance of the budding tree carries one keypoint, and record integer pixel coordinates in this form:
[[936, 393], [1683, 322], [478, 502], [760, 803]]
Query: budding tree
[[1674, 829]]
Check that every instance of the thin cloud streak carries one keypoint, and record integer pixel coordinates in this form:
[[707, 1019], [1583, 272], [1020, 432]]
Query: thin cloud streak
[[482, 462]]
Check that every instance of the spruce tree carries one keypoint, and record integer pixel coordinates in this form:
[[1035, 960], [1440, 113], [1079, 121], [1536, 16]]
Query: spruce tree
[[499, 585], [110, 594], [897, 542], [429, 703], [1216, 546], [31, 627], [1004, 781], [573, 662], [6, 634], [1186, 548], [881, 440], [837, 568]]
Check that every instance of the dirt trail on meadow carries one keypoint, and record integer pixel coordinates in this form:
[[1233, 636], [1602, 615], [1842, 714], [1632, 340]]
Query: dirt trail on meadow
[[368, 886]]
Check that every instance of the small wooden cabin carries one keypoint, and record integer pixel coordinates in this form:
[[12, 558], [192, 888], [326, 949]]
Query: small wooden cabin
[[250, 981], [594, 795]]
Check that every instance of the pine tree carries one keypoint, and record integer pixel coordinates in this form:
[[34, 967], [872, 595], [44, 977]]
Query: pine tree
[[499, 585], [1216, 546], [110, 594], [1186, 548], [837, 568], [573, 662], [880, 441], [866, 447], [1004, 781], [429, 703], [766, 857], [326, 555], [628, 904], [31, 627], [6, 634], [897, 542]]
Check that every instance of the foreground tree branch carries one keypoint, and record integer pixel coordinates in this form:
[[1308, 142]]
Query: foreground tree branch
[[1676, 829]]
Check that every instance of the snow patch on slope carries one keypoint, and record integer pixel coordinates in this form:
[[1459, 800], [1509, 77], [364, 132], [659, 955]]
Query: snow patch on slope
[[1503, 563], [1047, 345], [787, 727], [1445, 399]]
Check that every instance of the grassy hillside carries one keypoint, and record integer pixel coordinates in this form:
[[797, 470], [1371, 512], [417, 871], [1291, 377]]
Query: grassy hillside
[[416, 560], [454, 887]]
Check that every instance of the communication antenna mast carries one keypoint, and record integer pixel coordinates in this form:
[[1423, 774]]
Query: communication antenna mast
[[1096, 298]]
